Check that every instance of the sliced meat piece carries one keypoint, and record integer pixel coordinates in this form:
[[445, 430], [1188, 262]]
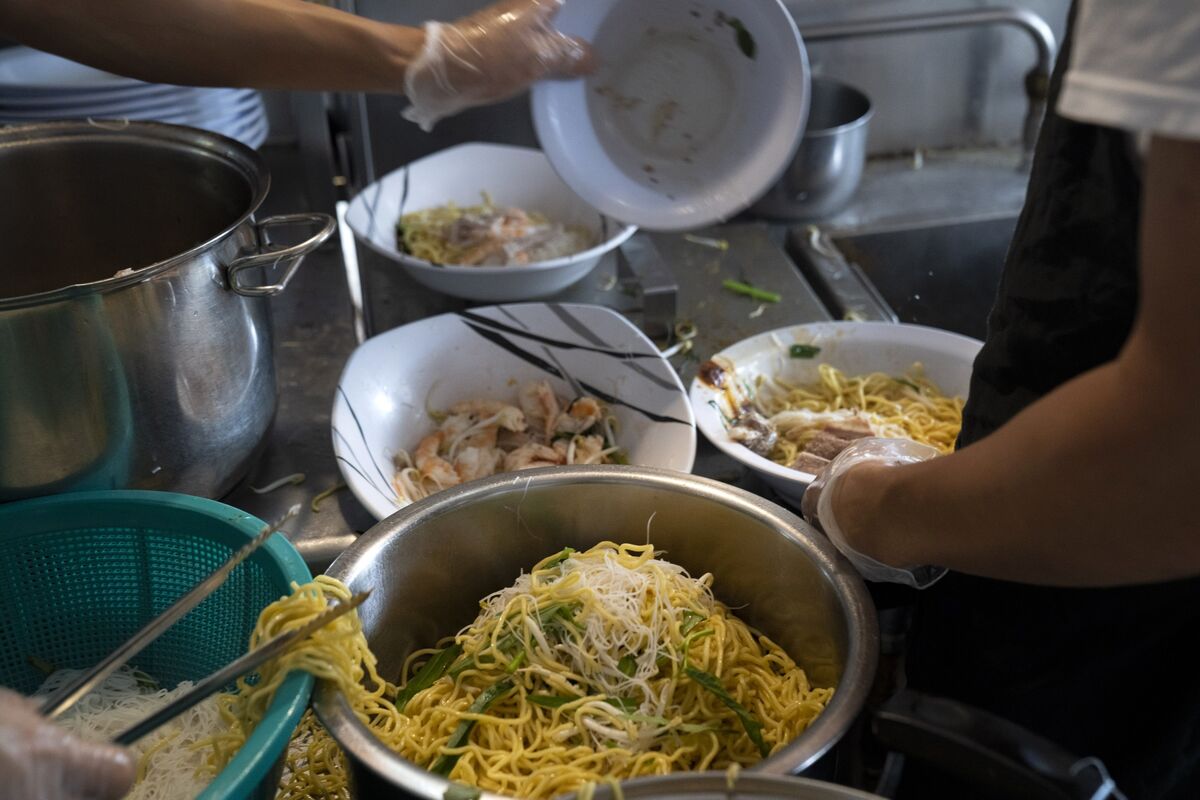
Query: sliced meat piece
[[827, 445], [851, 428], [754, 431], [807, 462]]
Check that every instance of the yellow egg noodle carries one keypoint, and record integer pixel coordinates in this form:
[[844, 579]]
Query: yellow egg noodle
[[486, 235], [422, 234], [606, 664], [911, 407], [337, 653], [595, 666]]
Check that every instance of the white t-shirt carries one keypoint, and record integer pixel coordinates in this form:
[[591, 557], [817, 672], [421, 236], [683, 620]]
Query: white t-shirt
[[1135, 65]]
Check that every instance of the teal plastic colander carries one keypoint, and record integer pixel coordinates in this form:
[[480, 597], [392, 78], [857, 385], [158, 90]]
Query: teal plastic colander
[[80, 573]]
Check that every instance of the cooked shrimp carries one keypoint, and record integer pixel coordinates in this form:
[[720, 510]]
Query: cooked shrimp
[[432, 465], [477, 462], [532, 455], [487, 420], [540, 406], [579, 416], [587, 450]]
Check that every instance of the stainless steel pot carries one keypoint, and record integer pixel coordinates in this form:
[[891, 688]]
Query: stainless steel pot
[[430, 564], [828, 166], [161, 377]]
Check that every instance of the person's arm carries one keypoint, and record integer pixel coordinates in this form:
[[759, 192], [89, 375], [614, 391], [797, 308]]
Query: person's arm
[[483, 58], [277, 44], [1098, 483]]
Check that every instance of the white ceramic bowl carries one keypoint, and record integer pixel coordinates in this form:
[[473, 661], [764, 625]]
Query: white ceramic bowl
[[695, 110], [853, 347], [513, 176], [391, 380]]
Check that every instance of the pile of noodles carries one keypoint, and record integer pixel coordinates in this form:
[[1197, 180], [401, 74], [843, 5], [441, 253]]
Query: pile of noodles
[[171, 761], [600, 665], [525, 237], [911, 407]]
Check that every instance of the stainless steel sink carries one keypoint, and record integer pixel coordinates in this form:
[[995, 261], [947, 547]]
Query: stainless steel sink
[[943, 274]]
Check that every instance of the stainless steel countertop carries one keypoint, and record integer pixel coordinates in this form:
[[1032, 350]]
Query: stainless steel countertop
[[314, 320]]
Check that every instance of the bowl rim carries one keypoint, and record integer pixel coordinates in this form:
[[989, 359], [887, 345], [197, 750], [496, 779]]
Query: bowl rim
[[850, 589], [622, 230], [699, 393], [546, 96], [340, 451]]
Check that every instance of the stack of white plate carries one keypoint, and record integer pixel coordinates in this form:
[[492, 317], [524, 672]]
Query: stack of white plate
[[37, 86]]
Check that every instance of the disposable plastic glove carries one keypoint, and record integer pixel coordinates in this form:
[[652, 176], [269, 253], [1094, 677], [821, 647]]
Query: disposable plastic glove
[[40, 760], [817, 506], [489, 56]]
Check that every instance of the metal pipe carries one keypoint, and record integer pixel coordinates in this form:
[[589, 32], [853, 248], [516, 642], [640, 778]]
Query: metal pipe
[[1037, 81]]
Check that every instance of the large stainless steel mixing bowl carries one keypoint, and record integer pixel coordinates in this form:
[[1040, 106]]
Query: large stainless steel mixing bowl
[[430, 564]]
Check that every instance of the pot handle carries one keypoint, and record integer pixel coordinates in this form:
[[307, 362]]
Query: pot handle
[[293, 254], [976, 745]]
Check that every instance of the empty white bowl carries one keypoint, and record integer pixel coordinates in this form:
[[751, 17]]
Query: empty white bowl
[[513, 176], [695, 110], [855, 348], [487, 353]]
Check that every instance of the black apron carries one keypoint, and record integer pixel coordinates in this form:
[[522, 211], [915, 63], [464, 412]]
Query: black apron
[[1101, 672]]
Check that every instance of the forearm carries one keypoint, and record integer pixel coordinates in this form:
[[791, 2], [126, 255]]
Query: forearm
[[1094, 484], [270, 44], [1090, 486]]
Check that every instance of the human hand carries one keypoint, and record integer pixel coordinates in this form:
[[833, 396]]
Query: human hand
[[817, 505], [40, 760], [489, 56]]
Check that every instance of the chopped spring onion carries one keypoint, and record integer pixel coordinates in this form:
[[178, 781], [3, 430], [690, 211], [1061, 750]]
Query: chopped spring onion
[[737, 287], [445, 765], [428, 675], [550, 700], [753, 726], [690, 620], [803, 351]]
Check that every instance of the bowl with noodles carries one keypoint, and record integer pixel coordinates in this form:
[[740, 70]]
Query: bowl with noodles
[[785, 402], [461, 396], [484, 222], [582, 625]]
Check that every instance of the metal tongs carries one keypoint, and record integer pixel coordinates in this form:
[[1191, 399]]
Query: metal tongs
[[73, 692], [234, 669]]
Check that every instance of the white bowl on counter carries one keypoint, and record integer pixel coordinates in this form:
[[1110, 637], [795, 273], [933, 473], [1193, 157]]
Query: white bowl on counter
[[513, 176], [390, 382], [855, 348]]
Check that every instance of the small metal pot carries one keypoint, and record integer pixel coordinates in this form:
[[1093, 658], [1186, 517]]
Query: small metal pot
[[429, 564], [827, 168], [135, 341]]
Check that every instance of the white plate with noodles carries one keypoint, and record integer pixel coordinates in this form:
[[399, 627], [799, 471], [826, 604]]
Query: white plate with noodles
[[462, 396], [484, 222], [787, 401]]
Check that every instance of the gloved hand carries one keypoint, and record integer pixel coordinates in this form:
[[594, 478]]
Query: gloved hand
[[40, 760], [817, 506], [489, 56]]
